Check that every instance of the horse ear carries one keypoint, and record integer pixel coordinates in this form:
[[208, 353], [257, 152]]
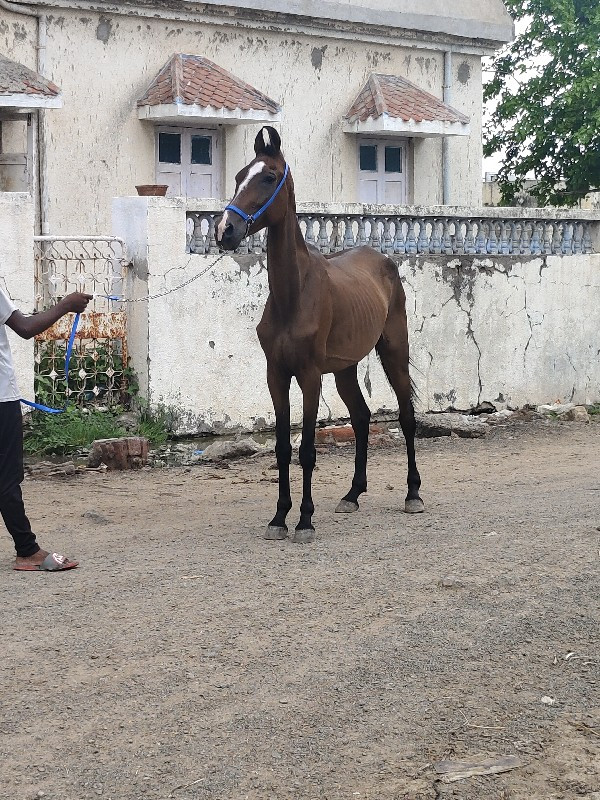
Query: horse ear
[[267, 142]]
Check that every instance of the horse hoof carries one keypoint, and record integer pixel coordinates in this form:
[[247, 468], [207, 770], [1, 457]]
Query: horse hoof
[[346, 507], [414, 506], [273, 532], [304, 536]]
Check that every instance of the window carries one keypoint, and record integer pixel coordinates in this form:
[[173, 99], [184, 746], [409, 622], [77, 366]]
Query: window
[[169, 148], [201, 150], [383, 177], [188, 161], [368, 157]]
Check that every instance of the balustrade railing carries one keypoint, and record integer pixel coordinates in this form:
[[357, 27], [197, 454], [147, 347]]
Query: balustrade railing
[[417, 234]]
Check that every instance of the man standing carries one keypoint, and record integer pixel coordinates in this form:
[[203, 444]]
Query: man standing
[[30, 557]]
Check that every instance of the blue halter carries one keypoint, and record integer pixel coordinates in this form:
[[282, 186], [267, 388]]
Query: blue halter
[[250, 219]]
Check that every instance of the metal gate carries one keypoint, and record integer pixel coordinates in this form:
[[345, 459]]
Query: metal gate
[[98, 373]]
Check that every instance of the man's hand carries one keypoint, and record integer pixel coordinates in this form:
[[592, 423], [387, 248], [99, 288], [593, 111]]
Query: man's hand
[[76, 302], [26, 327]]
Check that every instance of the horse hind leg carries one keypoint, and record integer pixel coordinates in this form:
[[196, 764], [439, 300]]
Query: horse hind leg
[[360, 416], [392, 349]]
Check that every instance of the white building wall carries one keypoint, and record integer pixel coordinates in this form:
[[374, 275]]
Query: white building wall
[[16, 276], [98, 148], [510, 330]]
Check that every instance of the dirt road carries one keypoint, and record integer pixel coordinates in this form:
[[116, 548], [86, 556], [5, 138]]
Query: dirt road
[[189, 658]]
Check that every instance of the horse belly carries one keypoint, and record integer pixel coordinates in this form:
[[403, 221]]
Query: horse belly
[[354, 334]]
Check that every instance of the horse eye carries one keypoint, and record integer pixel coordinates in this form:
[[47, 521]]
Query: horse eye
[[270, 179]]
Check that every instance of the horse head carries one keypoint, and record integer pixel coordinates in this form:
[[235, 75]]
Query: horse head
[[261, 196]]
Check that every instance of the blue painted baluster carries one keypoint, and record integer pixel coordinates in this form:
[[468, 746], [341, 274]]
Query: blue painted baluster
[[375, 235], [480, 241], [423, 240], [558, 233], [470, 246], [566, 247], [323, 241], [516, 230], [447, 244], [504, 247], [547, 238], [388, 244], [492, 244], [587, 237], [435, 242], [201, 240], [536, 245], [577, 238], [526, 236], [336, 235], [399, 240], [310, 234], [411, 239], [459, 239], [302, 225], [349, 240], [362, 234]]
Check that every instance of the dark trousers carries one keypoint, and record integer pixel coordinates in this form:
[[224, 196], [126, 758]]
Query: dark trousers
[[11, 477]]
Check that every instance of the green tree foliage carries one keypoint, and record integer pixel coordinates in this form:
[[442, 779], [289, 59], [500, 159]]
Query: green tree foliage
[[547, 86]]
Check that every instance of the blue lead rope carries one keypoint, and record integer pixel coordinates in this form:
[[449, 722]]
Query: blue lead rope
[[47, 409]]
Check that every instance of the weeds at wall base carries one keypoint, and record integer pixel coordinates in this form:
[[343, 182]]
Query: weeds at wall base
[[77, 428]]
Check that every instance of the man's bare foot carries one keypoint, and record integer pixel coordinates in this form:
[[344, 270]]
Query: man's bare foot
[[52, 563]]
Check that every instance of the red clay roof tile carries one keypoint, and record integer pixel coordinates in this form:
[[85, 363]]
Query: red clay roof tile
[[15, 78], [397, 97], [194, 80]]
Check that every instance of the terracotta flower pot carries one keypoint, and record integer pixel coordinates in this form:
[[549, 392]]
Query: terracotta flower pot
[[152, 190]]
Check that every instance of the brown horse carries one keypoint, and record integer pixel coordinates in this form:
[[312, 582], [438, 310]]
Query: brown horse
[[322, 315]]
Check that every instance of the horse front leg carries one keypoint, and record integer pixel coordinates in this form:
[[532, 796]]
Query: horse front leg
[[310, 386], [279, 387]]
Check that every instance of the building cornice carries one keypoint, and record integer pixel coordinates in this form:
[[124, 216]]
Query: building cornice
[[323, 18]]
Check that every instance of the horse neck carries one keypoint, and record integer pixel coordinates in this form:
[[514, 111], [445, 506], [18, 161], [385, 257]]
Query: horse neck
[[287, 262]]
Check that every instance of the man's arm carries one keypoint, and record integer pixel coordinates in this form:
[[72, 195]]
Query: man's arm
[[26, 327]]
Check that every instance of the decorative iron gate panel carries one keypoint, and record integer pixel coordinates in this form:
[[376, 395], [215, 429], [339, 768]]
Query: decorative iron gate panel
[[98, 371]]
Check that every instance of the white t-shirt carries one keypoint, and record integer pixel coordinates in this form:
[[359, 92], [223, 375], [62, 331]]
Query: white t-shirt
[[8, 382]]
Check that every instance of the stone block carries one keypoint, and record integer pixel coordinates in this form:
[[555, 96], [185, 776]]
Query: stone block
[[130, 452], [429, 425]]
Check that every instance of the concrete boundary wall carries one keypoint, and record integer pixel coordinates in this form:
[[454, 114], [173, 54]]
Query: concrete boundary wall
[[508, 329], [17, 275]]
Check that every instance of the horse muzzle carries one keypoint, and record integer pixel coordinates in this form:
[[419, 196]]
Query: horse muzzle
[[229, 231]]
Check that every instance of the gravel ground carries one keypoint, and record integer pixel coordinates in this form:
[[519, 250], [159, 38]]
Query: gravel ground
[[189, 658]]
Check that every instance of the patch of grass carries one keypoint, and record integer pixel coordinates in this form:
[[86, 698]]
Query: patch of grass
[[594, 409], [64, 433], [153, 429], [76, 428]]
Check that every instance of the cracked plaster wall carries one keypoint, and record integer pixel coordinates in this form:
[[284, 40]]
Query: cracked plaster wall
[[99, 149], [508, 330]]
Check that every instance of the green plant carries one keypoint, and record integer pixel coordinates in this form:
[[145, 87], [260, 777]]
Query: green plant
[[155, 421], [64, 433]]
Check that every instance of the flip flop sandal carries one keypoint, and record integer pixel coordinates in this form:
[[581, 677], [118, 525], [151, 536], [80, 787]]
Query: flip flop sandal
[[53, 562]]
